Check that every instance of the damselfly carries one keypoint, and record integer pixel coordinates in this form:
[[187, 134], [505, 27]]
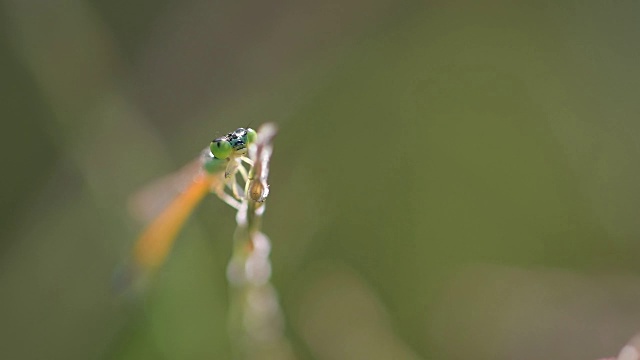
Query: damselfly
[[214, 172]]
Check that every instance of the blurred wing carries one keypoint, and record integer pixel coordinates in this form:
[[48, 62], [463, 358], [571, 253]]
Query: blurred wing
[[148, 203], [156, 241]]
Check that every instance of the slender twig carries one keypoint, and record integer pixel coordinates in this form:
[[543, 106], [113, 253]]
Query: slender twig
[[256, 322]]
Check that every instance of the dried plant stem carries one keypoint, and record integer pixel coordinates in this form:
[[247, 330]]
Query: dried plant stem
[[256, 322]]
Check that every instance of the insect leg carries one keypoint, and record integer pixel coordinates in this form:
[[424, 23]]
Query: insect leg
[[247, 160], [243, 172], [230, 200]]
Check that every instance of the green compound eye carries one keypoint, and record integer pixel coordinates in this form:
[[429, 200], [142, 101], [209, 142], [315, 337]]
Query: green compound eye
[[251, 136], [221, 148]]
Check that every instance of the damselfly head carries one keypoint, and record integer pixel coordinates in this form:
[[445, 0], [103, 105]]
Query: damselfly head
[[234, 143]]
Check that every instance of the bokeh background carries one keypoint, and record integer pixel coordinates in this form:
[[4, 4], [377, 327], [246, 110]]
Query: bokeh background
[[451, 179]]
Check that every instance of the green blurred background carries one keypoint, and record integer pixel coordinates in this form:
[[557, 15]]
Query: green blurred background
[[451, 179]]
